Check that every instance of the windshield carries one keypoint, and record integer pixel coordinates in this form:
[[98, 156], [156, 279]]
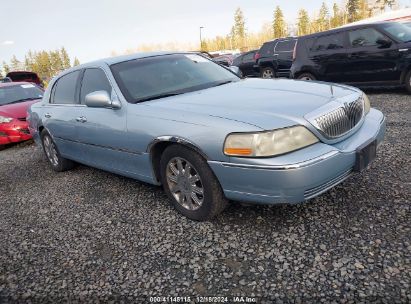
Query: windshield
[[155, 77], [400, 31], [19, 93]]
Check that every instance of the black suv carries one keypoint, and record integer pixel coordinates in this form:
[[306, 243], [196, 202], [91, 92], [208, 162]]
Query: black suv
[[362, 55], [247, 64], [274, 59]]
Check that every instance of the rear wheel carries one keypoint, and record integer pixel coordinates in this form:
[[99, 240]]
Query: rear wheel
[[408, 81], [190, 184], [57, 162], [306, 76], [267, 73]]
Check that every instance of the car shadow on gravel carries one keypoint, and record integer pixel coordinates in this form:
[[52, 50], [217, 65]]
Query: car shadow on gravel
[[17, 145]]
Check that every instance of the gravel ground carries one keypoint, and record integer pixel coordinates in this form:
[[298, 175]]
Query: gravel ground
[[88, 235]]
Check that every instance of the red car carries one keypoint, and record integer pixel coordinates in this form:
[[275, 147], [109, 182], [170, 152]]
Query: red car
[[15, 99]]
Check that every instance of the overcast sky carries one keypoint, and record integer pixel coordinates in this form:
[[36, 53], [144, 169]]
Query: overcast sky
[[93, 29]]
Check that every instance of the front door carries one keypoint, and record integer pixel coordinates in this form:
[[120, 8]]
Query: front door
[[372, 57], [101, 132]]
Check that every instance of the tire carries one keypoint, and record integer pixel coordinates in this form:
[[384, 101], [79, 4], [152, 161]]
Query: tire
[[201, 204], [408, 81], [57, 162], [307, 77], [267, 73]]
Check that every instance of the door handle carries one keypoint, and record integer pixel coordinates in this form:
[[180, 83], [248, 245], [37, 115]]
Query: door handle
[[81, 119], [47, 115]]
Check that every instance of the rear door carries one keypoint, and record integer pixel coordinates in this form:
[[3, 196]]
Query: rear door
[[329, 55], [369, 59], [283, 55], [61, 112]]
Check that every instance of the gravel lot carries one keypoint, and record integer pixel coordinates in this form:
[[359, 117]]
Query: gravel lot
[[90, 235]]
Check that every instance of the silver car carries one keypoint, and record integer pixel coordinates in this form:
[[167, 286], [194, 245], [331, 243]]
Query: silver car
[[184, 122]]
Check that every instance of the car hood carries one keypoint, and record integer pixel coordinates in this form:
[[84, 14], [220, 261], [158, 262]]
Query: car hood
[[17, 110], [264, 103]]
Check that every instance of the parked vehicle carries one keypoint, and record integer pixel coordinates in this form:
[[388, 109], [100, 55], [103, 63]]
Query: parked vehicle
[[362, 55], [225, 60], [5, 79], [274, 59], [25, 76], [247, 64], [15, 99], [206, 135]]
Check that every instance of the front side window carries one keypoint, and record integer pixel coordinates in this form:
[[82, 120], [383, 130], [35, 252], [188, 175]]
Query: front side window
[[329, 42], [285, 46], [159, 76], [94, 80], [365, 37], [400, 31], [65, 89], [19, 93]]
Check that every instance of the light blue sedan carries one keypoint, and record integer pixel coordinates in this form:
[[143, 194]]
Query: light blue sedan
[[181, 121]]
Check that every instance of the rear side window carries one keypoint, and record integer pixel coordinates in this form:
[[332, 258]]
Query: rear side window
[[365, 37], [267, 49], [64, 91], [248, 57], [285, 46], [94, 80], [329, 42]]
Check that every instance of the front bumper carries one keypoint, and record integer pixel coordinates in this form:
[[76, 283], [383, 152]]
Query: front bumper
[[300, 175], [14, 131]]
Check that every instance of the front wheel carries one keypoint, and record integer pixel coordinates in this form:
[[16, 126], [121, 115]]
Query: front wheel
[[306, 76], [57, 162], [190, 184], [408, 82]]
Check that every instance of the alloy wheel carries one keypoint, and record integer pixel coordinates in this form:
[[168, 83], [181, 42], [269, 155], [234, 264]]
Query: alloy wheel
[[268, 74], [185, 183], [50, 150]]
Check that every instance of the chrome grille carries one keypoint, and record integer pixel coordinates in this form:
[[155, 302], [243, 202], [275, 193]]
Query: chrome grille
[[340, 121]]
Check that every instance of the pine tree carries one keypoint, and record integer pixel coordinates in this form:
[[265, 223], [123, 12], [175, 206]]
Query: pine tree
[[337, 18], [238, 31], [279, 26], [353, 10], [76, 62], [323, 21], [303, 25], [15, 64], [65, 58]]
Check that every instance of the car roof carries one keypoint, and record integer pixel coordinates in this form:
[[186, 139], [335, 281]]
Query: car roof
[[21, 72], [118, 59], [345, 28], [10, 84]]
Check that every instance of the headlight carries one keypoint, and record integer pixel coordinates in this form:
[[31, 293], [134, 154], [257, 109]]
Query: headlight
[[367, 105], [5, 119], [271, 143]]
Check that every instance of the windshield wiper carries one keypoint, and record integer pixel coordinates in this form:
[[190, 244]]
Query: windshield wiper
[[25, 99], [223, 83], [158, 96]]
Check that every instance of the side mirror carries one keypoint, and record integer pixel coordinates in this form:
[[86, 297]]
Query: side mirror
[[236, 70], [384, 43], [101, 99]]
